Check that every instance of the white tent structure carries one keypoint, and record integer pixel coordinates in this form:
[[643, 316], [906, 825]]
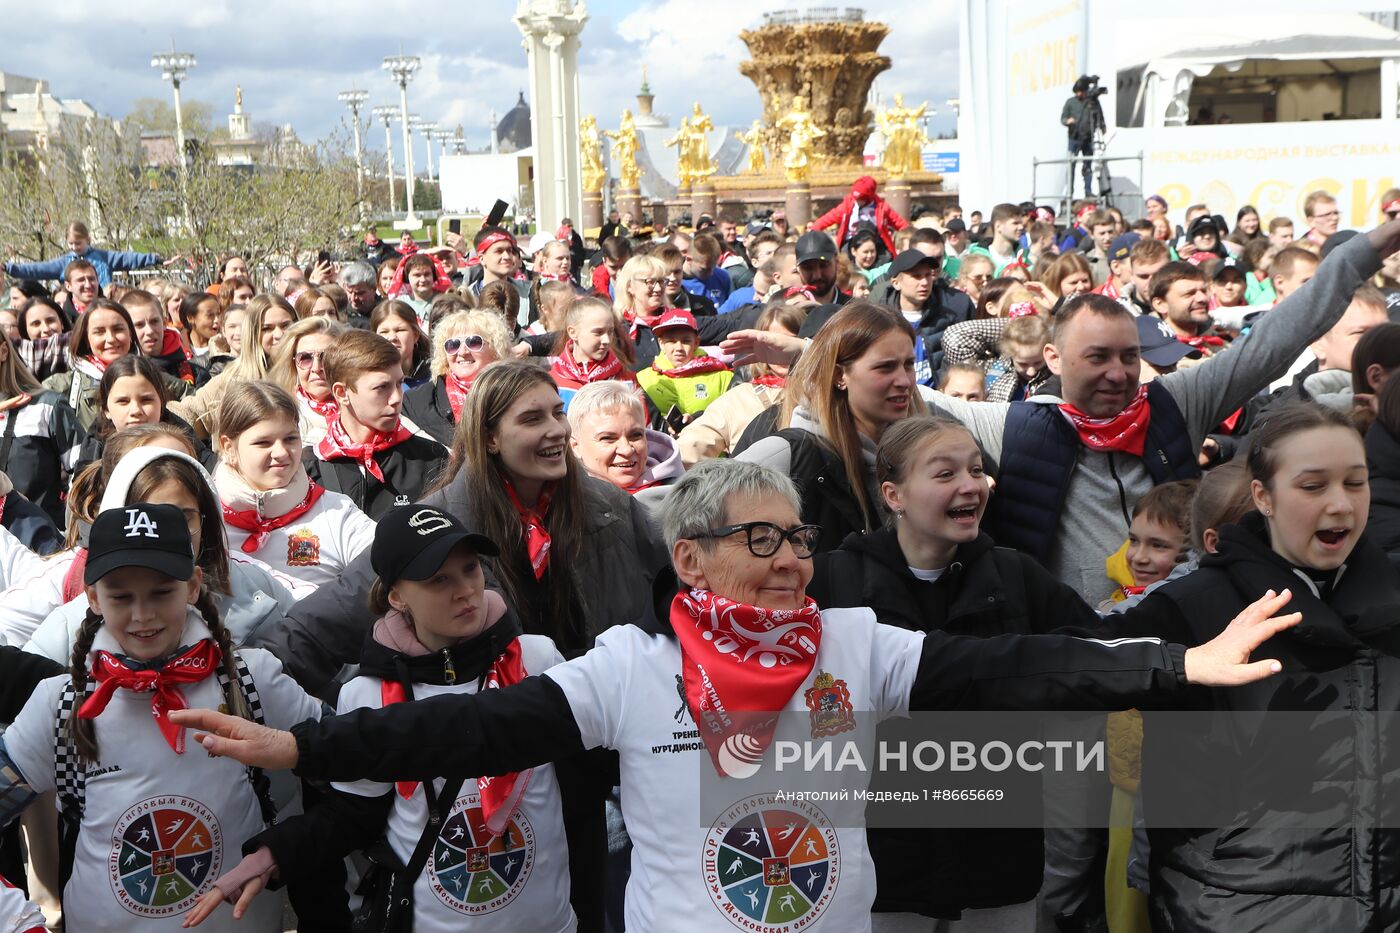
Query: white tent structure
[[1309, 101], [1255, 69]]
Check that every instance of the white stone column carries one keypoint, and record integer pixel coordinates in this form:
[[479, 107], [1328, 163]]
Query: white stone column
[[551, 31]]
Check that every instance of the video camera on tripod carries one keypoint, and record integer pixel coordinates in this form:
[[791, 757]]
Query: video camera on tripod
[[1089, 84]]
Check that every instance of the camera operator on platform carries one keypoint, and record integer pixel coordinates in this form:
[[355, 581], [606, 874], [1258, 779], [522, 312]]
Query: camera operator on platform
[[1081, 116]]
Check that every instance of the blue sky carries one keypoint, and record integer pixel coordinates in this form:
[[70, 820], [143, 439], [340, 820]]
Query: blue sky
[[292, 58]]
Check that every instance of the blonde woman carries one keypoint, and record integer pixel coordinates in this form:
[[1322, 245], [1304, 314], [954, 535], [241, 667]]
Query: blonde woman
[[639, 301], [265, 324], [299, 367], [464, 343]]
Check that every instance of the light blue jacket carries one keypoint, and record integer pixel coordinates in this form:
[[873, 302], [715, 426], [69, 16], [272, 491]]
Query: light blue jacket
[[105, 261]]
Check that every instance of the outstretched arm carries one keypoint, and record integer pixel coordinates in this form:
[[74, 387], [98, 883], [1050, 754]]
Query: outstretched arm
[[44, 270], [1062, 672], [489, 733]]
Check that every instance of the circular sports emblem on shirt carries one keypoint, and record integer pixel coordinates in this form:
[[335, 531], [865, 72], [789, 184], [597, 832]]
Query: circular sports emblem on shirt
[[769, 864], [164, 849], [474, 872]]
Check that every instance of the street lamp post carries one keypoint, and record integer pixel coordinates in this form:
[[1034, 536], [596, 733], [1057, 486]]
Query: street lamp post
[[427, 128], [442, 137], [354, 100], [173, 67], [386, 113], [402, 67]]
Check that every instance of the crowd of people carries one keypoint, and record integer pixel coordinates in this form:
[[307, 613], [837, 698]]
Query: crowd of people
[[434, 583]]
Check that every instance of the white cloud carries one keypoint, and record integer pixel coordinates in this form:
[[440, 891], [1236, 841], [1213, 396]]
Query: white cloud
[[291, 59]]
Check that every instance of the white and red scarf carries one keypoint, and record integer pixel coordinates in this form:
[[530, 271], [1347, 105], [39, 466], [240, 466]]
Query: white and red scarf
[[189, 667], [326, 408], [258, 525], [336, 445], [1125, 431], [740, 666], [697, 365], [589, 371]]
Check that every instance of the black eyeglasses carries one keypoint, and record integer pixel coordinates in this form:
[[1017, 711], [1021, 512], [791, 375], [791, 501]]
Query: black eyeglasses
[[473, 342], [764, 538]]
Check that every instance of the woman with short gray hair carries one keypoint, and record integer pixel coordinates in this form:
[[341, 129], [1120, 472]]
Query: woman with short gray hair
[[691, 703], [608, 434]]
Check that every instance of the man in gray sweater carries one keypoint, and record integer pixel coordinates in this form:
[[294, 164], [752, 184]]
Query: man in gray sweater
[[1096, 358]]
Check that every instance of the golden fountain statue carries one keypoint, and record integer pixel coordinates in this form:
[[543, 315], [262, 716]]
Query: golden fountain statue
[[802, 136], [681, 141], [904, 138], [590, 145], [702, 165], [758, 156], [624, 149]]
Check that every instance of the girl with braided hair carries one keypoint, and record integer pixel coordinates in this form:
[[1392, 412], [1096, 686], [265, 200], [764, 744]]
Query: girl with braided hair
[[147, 826], [144, 463]]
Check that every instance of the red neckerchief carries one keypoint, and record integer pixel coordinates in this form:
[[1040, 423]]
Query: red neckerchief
[[1128, 590], [1125, 431], [457, 390], [499, 794], [398, 284], [1108, 289], [73, 579], [336, 445], [772, 380], [170, 342], [635, 321], [1203, 342], [1231, 422], [741, 665], [553, 277], [327, 409], [695, 366], [568, 368], [259, 528], [537, 540], [110, 672], [101, 366]]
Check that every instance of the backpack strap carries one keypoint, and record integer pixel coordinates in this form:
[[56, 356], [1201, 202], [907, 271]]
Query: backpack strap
[[70, 775], [8, 439], [256, 777]]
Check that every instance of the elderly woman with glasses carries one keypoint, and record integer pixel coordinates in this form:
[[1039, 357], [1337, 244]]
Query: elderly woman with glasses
[[464, 343], [691, 701]]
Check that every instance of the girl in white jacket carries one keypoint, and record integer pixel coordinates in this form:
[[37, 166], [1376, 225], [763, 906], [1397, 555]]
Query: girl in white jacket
[[149, 823], [150, 462], [273, 512]]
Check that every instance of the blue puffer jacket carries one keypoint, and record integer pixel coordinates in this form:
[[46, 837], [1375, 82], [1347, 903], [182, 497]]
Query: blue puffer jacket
[[105, 261]]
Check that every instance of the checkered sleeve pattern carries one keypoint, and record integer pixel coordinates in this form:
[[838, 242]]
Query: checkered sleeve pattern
[[973, 341]]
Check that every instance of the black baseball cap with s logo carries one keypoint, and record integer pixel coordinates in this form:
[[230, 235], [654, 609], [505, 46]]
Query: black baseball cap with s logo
[[412, 541]]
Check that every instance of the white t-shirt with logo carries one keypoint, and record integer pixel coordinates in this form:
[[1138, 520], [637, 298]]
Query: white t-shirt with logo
[[316, 548], [518, 880], [773, 866], [157, 827]]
